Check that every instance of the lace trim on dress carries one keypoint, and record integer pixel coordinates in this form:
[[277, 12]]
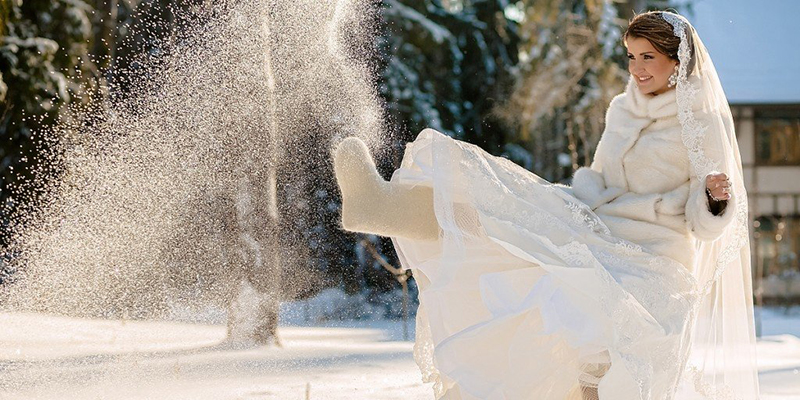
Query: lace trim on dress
[[423, 354], [722, 392]]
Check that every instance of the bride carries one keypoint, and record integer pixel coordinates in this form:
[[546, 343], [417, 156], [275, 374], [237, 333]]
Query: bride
[[633, 283]]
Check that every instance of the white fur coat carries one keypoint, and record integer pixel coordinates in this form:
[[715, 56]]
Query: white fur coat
[[640, 184]]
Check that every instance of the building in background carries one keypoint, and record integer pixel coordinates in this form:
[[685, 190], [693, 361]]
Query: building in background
[[756, 50]]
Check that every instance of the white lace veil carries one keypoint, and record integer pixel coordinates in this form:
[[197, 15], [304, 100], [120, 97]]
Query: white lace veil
[[721, 362]]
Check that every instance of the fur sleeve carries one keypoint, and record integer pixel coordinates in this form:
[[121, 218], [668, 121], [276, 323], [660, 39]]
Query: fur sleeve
[[699, 218], [588, 183], [647, 206], [589, 187]]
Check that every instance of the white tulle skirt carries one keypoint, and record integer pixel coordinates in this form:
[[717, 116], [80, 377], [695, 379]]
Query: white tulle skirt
[[527, 292]]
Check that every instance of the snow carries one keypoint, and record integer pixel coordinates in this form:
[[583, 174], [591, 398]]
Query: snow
[[779, 367], [754, 46], [49, 357], [53, 357], [779, 353]]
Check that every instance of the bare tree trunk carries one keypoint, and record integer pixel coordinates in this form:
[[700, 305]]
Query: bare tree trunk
[[269, 309], [255, 319], [260, 222], [265, 271]]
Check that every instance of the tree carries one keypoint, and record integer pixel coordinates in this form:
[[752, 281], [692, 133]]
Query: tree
[[570, 70], [446, 67], [45, 64]]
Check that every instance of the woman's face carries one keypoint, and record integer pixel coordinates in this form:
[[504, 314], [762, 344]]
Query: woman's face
[[649, 68]]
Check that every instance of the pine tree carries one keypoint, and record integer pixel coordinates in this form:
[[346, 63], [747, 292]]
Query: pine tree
[[45, 64], [447, 65]]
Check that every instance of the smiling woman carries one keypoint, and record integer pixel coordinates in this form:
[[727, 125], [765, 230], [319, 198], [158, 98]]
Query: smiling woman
[[652, 54], [651, 69]]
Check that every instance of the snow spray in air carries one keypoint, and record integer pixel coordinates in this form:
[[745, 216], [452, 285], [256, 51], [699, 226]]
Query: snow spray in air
[[183, 185]]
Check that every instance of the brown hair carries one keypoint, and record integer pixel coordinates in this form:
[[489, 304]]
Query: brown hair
[[660, 33]]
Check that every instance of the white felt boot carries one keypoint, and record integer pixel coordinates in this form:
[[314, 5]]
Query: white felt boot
[[372, 205]]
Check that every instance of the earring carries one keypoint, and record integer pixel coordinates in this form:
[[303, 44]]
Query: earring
[[673, 79]]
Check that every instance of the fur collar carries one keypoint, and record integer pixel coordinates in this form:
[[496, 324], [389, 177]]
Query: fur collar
[[657, 107], [648, 106]]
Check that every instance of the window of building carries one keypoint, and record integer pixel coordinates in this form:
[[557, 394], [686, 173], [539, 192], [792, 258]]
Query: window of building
[[777, 135], [777, 242]]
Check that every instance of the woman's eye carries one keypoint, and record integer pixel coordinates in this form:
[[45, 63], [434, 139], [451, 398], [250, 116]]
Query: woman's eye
[[648, 57], [630, 57]]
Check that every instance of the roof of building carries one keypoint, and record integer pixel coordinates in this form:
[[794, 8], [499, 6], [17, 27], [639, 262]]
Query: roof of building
[[755, 46]]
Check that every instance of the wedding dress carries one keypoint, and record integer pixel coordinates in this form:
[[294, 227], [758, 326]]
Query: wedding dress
[[624, 282]]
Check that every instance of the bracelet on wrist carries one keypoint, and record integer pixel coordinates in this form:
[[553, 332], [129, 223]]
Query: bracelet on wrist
[[711, 196]]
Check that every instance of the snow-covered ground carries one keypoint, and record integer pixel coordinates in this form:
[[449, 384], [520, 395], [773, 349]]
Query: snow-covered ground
[[50, 357], [779, 354]]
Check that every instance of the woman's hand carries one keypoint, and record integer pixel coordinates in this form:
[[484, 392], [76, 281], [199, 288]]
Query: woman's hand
[[719, 187]]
